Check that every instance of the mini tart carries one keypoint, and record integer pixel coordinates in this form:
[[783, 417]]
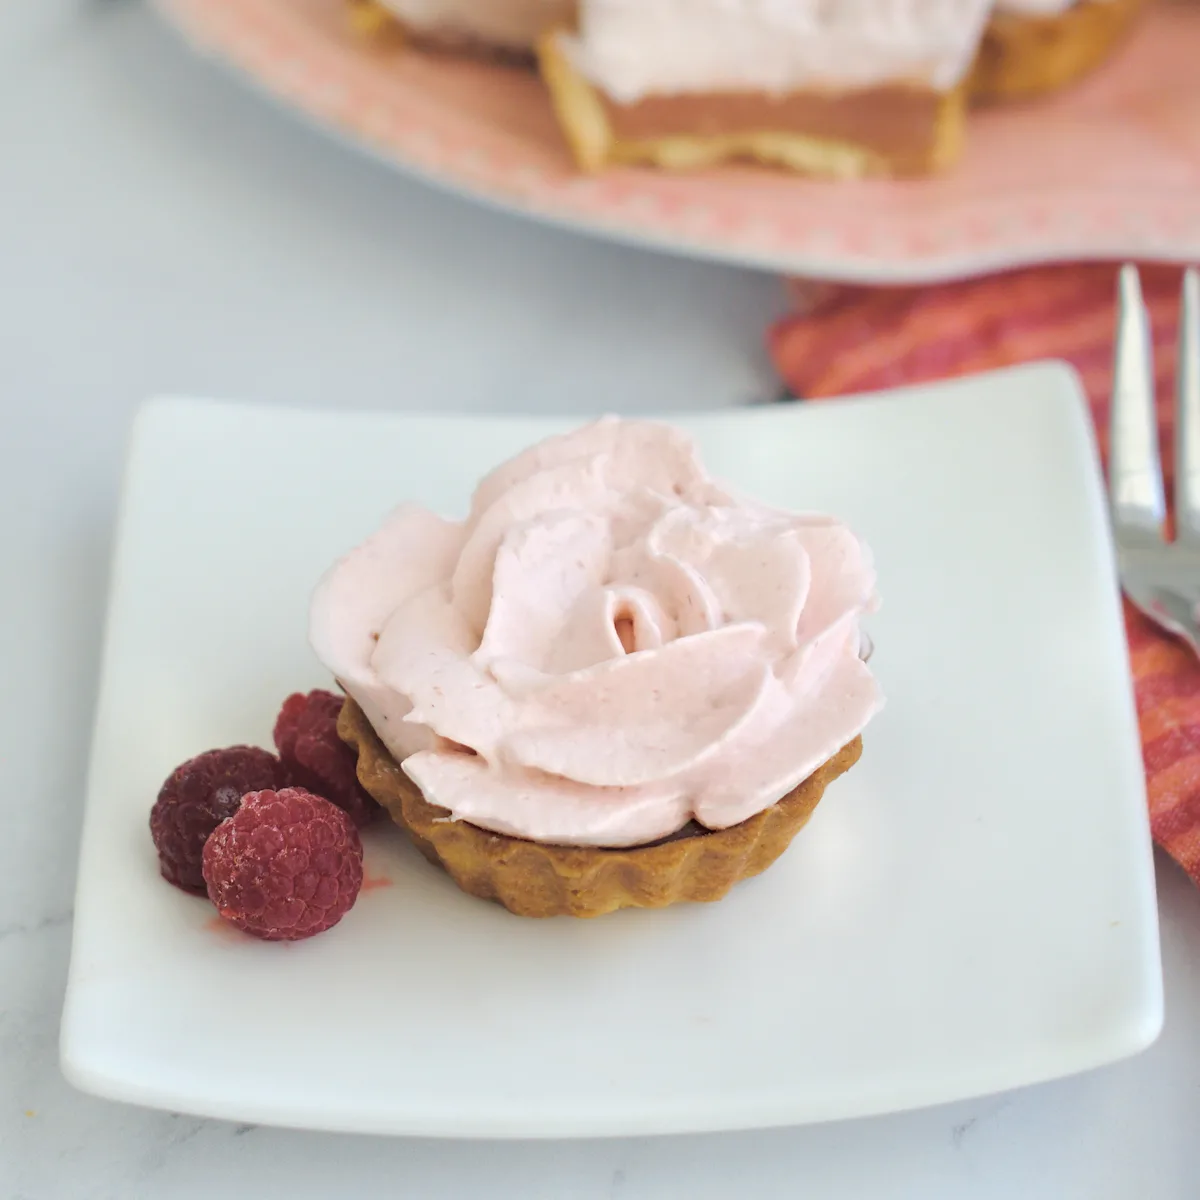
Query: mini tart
[[372, 21], [1023, 56], [536, 880], [893, 130]]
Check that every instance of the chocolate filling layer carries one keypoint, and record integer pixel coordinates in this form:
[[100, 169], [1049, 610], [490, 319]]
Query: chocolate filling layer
[[899, 123]]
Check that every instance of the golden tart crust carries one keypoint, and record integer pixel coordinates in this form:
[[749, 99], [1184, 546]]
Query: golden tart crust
[[532, 879], [1023, 56]]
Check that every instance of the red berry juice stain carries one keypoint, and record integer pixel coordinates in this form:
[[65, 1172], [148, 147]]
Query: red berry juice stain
[[223, 929], [371, 882]]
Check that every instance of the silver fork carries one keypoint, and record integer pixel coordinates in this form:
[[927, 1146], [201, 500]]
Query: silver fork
[[1161, 578]]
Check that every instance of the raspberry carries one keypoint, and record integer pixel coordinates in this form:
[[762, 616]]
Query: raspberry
[[285, 866], [197, 797], [316, 758]]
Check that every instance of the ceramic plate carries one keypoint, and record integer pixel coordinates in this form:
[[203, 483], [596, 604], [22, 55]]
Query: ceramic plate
[[1109, 169], [971, 908]]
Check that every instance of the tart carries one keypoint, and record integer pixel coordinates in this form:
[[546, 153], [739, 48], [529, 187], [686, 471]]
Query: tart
[[1032, 47], [614, 684], [503, 29], [833, 90]]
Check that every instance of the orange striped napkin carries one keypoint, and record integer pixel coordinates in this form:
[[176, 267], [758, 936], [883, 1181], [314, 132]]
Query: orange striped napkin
[[852, 339]]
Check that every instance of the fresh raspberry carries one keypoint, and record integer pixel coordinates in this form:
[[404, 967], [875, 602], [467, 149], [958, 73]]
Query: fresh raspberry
[[316, 758], [286, 865], [197, 797]]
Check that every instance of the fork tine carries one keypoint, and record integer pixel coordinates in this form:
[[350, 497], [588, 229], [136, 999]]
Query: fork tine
[[1135, 484], [1187, 414]]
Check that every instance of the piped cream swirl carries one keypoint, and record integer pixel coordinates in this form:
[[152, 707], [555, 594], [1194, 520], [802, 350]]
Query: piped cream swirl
[[610, 645]]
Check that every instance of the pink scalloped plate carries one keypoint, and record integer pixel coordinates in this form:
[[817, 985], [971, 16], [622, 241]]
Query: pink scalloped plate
[[1109, 169]]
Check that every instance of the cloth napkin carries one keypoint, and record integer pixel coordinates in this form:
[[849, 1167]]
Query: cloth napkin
[[853, 339]]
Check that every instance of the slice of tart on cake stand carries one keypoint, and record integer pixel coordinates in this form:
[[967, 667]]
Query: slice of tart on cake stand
[[841, 90]]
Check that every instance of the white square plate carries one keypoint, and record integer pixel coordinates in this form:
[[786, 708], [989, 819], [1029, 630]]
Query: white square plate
[[971, 908]]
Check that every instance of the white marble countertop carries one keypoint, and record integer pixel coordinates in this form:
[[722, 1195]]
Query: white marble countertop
[[163, 230]]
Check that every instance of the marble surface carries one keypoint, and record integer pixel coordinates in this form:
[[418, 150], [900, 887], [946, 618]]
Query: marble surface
[[163, 230]]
